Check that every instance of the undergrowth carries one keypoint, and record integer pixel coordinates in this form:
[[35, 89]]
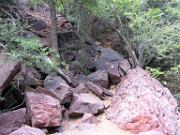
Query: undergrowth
[[29, 50]]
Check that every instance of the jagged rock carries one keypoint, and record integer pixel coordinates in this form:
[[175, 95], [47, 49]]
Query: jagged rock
[[60, 87], [116, 70], [81, 78], [43, 107], [99, 78], [81, 88], [124, 66], [107, 55], [97, 90], [74, 82], [33, 77], [142, 104], [26, 130], [74, 67], [8, 69], [85, 103], [90, 64], [113, 72], [38, 25], [89, 118], [11, 121], [91, 50]]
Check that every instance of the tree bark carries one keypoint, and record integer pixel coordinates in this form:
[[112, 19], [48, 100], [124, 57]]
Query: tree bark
[[53, 39]]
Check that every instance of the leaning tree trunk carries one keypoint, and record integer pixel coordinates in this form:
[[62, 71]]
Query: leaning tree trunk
[[53, 39]]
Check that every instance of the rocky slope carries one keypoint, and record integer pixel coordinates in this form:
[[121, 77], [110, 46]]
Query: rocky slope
[[115, 98]]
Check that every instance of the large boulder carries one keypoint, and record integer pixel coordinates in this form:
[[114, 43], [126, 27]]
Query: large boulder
[[112, 68], [97, 90], [11, 121], [26, 130], [142, 105], [43, 107], [85, 103], [117, 69], [60, 87], [124, 66], [38, 25], [106, 55], [8, 69], [100, 78], [81, 88]]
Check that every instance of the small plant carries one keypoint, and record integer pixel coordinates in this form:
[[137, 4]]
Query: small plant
[[156, 72]]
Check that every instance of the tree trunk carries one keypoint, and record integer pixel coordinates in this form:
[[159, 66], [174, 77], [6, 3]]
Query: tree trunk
[[53, 39]]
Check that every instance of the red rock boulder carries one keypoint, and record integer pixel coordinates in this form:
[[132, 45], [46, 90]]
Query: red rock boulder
[[142, 105], [85, 103], [8, 69], [99, 78], [11, 121], [44, 109]]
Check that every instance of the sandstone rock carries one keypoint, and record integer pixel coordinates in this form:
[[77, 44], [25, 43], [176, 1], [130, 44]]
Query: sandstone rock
[[103, 128], [90, 64], [142, 104], [125, 66], [81, 78], [33, 77], [73, 81], [60, 87], [107, 55], [152, 133], [113, 72], [8, 69], [43, 108], [11, 121], [91, 50], [81, 88], [97, 90], [89, 118], [38, 25], [26, 130], [85, 103], [99, 78]]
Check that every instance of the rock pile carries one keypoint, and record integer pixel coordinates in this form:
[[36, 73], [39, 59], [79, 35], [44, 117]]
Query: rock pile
[[140, 105]]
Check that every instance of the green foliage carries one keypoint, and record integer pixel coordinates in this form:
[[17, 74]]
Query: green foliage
[[156, 72], [171, 78], [29, 51], [177, 96], [32, 3]]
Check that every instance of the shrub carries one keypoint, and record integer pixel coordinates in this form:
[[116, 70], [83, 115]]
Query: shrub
[[29, 51]]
